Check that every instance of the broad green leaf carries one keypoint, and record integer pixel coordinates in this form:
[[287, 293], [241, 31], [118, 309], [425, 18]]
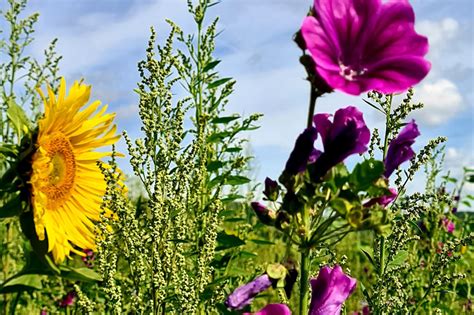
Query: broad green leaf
[[366, 173], [215, 165], [226, 241], [22, 282], [18, 118], [81, 274], [398, 260]]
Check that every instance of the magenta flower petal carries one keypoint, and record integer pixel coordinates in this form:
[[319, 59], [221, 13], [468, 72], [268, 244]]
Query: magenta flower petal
[[347, 134], [68, 300], [273, 309], [243, 296], [383, 200], [362, 45], [329, 291], [449, 225], [400, 150], [303, 152]]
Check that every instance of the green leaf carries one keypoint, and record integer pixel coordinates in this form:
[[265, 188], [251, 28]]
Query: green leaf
[[18, 118], [211, 65], [366, 173], [245, 254], [11, 208], [218, 136], [232, 197], [215, 165], [22, 282], [233, 149], [236, 180], [398, 260], [263, 242], [369, 256], [217, 83], [415, 225], [81, 274], [225, 119], [9, 150], [226, 241]]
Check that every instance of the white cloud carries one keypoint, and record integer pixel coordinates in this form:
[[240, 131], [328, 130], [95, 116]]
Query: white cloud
[[442, 101], [439, 33]]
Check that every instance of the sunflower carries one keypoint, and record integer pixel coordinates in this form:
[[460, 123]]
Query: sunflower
[[67, 186]]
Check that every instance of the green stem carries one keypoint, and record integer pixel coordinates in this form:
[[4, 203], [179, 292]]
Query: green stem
[[382, 256], [304, 282], [312, 104]]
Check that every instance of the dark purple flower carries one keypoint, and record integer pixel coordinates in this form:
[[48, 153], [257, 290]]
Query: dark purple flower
[[329, 291], [383, 200], [347, 134], [448, 225], [362, 45], [303, 152], [454, 210], [265, 215], [89, 258], [243, 296], [400, 150], [271, 189], [273, 309], [68, 300]]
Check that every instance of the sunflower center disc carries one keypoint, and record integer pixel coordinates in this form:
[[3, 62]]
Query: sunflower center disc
[[62, 170]]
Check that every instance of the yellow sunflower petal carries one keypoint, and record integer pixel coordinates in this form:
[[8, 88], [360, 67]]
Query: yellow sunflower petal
[[67, 186]]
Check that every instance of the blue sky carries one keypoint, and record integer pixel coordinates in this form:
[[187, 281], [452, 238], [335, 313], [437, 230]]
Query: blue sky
[[102, 41]]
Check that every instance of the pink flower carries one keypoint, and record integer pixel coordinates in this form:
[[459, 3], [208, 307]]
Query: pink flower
[[329, 291], [273, 309], [362, 45], [449, 225], [383, 200], [68, 300]]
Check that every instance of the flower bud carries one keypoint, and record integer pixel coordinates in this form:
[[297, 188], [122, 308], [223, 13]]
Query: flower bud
[[265, 215], [271, 189]]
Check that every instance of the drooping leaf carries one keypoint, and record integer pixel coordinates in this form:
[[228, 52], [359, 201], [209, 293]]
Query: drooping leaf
[[22, 282], [226, 241], [81, 274]]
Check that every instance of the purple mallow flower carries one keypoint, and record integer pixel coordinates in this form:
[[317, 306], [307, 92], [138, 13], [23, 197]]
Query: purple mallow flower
[[68, 300], [383, 200], [265, 215], [448, 225], [329, 291], [347, 134], [400, 149], [271, 189], [243, 296], [359, 46], [273, 309], [303, 152]]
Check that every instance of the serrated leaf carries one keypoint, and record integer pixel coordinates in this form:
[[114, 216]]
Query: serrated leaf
[[81, 274], [225, 119], [366, 173], [398, 260], [218, 83], [18, 118]]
